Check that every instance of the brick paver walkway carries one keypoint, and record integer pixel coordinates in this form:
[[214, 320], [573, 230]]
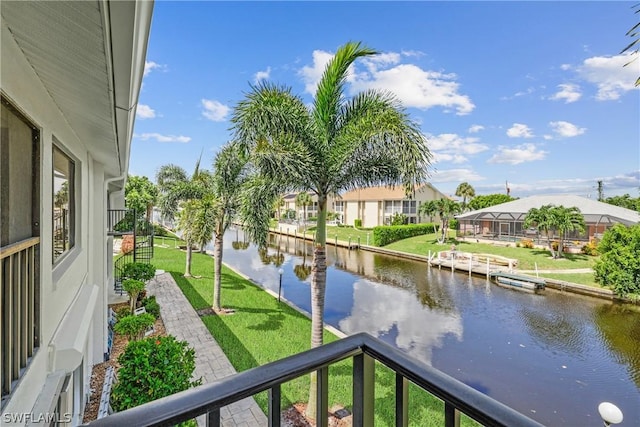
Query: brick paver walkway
[[181, 321]]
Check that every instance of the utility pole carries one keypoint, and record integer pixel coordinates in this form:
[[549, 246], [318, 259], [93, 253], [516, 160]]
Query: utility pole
[[600, 191]]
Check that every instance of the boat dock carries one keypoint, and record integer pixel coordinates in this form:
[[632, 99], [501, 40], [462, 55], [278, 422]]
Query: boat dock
[[520, 282], [483, 264]]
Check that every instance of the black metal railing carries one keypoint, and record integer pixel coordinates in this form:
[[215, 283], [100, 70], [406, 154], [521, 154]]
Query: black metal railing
[[365, 350], [126, 224]]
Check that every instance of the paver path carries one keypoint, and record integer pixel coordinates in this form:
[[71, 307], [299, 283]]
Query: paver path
[[181, 321]]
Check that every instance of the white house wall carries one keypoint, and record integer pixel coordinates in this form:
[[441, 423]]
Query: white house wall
[[370, 214], [82, 265]]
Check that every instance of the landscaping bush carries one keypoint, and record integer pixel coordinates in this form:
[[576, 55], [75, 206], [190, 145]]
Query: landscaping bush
[[590, 248], [527, 243], [133, 288], [384, 235], [357, 223], [159, 230], [398, 219], [453, 224], [151, 306], [133, 326], [152, 368], [138, 271]]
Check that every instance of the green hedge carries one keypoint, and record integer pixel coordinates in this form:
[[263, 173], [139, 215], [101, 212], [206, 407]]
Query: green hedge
[[383, 235]]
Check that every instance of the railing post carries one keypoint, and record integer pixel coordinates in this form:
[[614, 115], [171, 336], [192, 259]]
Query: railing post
[[274, 406], [402, 401], [451, 415], [322, 396], [363, 390], [213, 418]]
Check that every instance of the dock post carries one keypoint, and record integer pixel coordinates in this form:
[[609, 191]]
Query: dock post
[[367, 239], [469, 265], [429, 259], [336, 240], [439, 262], [349, 242], [487, 267], [358, 242]]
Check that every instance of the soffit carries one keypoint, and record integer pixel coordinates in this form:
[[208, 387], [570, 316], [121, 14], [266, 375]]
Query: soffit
[[65, 44]]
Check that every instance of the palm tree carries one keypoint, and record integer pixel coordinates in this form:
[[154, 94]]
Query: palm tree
[[304, 199], [191, 195], [445, 208], [544, 220], [228, 178], [336, 144], [167, 177], [277, 206], [567, 220], [466, 191]]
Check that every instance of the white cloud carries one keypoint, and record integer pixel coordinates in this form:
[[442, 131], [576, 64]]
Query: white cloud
[[262, 75], [417, 88], [475, 128], [566, 129], [610, 75], [311, 74], [456, 175], [518, 130], [413, 86], [565, 67], [149, 66], [163, 138], [145, 112], [516, 155], [446, 157], [214, 110], [569, 92], [454, 144]]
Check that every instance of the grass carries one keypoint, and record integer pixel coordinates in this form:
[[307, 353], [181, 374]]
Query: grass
[[527, 258], [262, 331], [582, 278]]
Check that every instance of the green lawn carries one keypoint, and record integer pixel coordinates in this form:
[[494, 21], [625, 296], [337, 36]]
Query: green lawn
[[261, 331], [527, 258], [582, 278]]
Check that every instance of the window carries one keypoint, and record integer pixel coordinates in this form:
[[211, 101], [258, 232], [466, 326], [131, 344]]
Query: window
[[63, 203], [409, 207], [20, 244], [339, 206]]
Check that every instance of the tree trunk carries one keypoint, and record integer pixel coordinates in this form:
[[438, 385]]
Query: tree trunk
[[318, 286], [553, 253], [217, 278], [187, 268]]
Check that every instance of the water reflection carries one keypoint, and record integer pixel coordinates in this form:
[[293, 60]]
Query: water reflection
[[554, 357], [395, 316]]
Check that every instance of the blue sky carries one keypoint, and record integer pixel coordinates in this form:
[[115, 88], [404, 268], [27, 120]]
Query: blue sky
[[530, 93]]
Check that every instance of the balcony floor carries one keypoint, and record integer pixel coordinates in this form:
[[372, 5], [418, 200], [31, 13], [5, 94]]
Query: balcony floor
[[182, 321]]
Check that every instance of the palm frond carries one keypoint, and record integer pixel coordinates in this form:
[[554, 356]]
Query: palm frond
[[257, 197]]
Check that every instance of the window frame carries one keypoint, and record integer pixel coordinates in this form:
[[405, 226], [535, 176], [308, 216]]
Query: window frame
[[72, 202]]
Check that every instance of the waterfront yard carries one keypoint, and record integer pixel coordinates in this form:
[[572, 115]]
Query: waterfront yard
[[262, 330]]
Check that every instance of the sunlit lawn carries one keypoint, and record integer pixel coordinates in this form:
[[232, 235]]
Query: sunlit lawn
[[262, 331]]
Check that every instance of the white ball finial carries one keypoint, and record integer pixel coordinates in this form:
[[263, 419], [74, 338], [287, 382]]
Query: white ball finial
[[280, 271], [610, 413]]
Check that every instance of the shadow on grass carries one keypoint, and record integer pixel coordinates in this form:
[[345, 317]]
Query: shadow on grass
[[193, 296], [231, 282]]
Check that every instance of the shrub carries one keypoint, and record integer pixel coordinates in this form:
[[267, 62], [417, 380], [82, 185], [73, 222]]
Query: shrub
[[133, 288], [590, 248], [453, 224], [159, 230], [619, 264], [527, 243], [122, 312], [138, 271], [398, 219], [134, 326], [554, 245], [151, 305], [152, 368], [357, 223], [127, 244], [384, 235]]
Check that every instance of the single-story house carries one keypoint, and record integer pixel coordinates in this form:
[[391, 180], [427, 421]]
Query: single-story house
[[505, 221], [377, 205]]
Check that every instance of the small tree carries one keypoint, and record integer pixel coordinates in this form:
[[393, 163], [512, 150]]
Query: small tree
[[152, 368], [445, 209], [619, 263], [398, 219], [133, 288], [133, 326]]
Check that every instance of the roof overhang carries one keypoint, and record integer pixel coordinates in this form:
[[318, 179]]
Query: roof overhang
[[90, 57]]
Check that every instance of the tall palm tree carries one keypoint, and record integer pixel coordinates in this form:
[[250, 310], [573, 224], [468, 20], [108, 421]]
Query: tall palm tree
[[335, 145], [466, 191], [544, 220], [167, 177], [229, 175], [445, 208], [190, 195], [303, 199], [567, 220]]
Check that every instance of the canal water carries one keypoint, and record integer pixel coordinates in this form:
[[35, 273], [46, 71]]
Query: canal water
[[553, 356]]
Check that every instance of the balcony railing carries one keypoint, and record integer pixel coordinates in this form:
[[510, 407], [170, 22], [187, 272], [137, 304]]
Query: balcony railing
[[365, 350], [19, 299]]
